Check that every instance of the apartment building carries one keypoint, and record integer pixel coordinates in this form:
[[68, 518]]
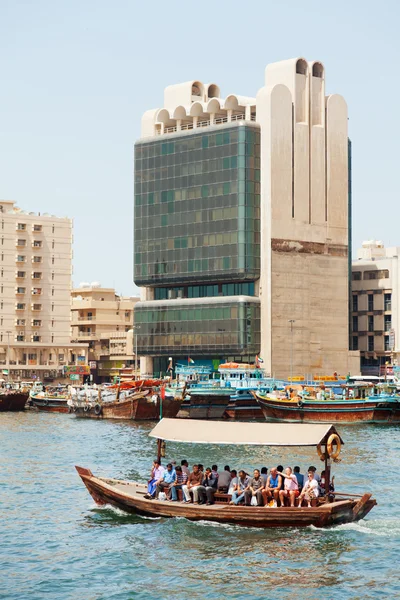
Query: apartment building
[[375, 306], [35, 287], [242, 225], [104, 320]]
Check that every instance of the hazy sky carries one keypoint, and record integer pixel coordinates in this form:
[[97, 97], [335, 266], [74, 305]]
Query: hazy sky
[[76, 76]]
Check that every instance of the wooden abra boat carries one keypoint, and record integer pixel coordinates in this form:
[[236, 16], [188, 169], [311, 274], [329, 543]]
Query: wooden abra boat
[[13, 400], [369, 409], [139, 406], [332, 509]]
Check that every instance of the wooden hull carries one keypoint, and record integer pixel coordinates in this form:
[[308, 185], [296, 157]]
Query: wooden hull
[[51, 405], [362, 411], [129, 497], [13, 401], [138, 408], [207, 406]]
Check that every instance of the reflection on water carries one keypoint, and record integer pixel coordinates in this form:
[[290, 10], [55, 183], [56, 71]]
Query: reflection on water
[[54, 539]]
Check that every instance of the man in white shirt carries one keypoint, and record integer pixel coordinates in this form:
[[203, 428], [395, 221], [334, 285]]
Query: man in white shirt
[[310, 489]]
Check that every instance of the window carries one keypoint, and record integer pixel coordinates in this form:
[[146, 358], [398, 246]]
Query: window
[[20, 306], [127, 314], [36, 323], [52, 260], [36, 291], [388, 302], [356, 276], [21, 322], [355, 342], [37, 244], [370, 343], [36, 275], [21, 243], [21, 290], [20, 337], [21, 258], [355, 323], [355, 303], [370, 274], [37, 259], [37, 228], [32, 356], [388, 322], [370, 302], [36, 338], [370, 323], [21, 226], [36, 307], [387, 343]]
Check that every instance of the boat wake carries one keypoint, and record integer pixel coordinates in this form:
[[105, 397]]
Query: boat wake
[[119, 512], [376, 527]]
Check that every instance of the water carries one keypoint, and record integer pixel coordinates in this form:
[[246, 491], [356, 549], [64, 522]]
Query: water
[[56, 544]]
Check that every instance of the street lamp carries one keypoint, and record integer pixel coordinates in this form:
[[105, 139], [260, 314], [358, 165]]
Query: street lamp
[[291, 321]]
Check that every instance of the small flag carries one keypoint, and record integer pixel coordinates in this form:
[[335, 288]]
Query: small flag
[[190, 361], [258, 360]]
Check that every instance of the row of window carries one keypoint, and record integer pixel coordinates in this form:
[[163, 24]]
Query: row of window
[[35, 244], [205, 291], [371, 343], [387, 302], [371, 323], [367, 275], [35, 275], [21, 258], [35, 291], [35, 323], [35, 227]]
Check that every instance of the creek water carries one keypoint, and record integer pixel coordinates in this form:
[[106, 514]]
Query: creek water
[[56, 543]]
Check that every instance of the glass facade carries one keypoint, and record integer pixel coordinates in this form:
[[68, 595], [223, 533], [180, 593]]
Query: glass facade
[[205, 291], [198, 328], [197, 207]]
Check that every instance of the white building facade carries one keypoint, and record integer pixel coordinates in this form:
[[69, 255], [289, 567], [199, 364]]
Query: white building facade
[[35, 287], [375, 307]]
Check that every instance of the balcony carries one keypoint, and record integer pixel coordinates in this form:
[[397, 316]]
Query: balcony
[[20, 323], [36, 323], [36, 244], [36, 259], [20, 227]]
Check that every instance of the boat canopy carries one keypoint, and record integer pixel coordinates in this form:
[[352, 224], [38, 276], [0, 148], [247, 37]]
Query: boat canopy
[[245, 434]]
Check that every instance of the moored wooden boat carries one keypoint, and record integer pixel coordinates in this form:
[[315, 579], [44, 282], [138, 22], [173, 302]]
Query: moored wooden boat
[[361, 410], [139, 406], [328, 510], [13, 400], [50, 402]]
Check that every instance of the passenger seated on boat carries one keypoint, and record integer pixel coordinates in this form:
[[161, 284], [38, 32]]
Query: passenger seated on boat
[[201, 467], [264, 474], [208, 487], [280, 471], [322, 484], [233, 482], [214, 469], [314, 471], [224, 479], [291, 487], [166, 481], [299, 477], [310, 489], [238, 492], [254, 488], [181, 480], [194, 481], [185, 467], [156, 473], [273, 486]]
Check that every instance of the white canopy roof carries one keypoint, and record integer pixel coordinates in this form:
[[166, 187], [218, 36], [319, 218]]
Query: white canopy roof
[[256, 434]]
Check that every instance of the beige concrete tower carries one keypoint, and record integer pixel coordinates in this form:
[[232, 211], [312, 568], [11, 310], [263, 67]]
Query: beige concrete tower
[[304, 222]]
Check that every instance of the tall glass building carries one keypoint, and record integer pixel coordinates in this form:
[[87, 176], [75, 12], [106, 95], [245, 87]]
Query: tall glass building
[[224, 188]]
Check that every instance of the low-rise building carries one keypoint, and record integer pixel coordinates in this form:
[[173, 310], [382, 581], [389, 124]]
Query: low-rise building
[[375, 307], [104, 320], [35, 287]]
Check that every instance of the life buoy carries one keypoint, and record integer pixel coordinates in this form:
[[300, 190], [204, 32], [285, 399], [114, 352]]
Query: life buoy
[[45, 401], [300, 403], [86, 407], [74, 408], [97, 409], [321, 454], [333, 440]]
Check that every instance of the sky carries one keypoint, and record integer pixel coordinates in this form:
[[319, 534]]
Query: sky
[[77, 75]]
